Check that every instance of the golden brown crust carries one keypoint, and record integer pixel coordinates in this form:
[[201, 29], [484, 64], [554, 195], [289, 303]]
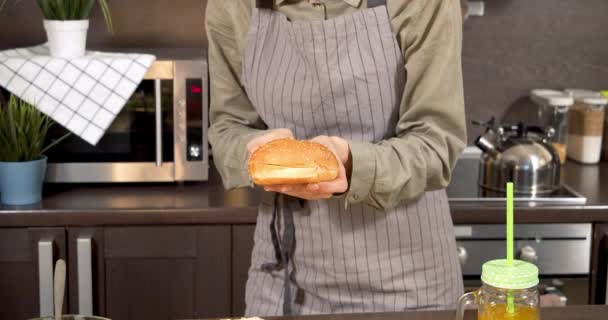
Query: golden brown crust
[[289, 161]]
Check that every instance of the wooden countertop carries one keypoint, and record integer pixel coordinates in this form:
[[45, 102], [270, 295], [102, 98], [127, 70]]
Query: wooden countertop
[[565, 313], [209, 203]]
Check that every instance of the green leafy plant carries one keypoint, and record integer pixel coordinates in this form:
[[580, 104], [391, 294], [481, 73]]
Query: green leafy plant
[[23, 131], [74, 10]]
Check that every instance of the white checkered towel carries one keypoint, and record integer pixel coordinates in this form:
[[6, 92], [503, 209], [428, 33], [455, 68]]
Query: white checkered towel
[[83, 94]]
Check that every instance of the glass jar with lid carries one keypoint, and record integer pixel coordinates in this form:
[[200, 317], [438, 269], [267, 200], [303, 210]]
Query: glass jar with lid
[[553, 107], [586, 125], [507, 292]]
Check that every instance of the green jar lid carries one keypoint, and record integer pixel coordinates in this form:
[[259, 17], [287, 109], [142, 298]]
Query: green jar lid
[[519, 275]]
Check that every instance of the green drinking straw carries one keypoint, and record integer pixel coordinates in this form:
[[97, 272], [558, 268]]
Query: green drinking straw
[[510, 300], [509, 224]]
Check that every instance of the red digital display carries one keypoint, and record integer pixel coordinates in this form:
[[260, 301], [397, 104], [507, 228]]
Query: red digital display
[[195, 89]]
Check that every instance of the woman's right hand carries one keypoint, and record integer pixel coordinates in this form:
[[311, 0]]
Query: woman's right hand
[[271, 135]]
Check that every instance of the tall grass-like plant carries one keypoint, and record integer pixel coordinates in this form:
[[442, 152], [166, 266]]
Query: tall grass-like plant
[[23, 131], [74, 10]]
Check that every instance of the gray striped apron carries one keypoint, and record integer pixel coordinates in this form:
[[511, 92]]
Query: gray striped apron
[[344, 77]]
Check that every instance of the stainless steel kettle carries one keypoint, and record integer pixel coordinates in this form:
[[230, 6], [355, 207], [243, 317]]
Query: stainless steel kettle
[[520, 154]]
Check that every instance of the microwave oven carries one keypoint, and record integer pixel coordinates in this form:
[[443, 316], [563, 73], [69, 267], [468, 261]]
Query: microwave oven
[[159, 136]]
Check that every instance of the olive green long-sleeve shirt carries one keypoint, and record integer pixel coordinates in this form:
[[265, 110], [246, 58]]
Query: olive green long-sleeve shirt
[[430, 133]]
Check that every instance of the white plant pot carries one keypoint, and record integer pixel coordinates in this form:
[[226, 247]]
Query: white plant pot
[[67, 39]]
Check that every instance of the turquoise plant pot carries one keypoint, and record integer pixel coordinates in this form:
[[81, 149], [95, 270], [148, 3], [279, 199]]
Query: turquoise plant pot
[[21, 182]]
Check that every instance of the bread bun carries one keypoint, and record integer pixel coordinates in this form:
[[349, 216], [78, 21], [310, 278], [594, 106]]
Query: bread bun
[[289, 161]]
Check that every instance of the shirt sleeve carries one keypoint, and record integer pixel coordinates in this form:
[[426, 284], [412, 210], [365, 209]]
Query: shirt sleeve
[[431, 131], [234, 121]]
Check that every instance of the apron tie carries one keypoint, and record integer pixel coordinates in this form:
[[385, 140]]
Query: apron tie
[[283, 249]]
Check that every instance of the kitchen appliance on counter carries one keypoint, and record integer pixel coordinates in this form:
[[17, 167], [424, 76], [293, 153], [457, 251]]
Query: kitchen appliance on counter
[[562, 252], [159, 136], [520, 154], [464, 187]]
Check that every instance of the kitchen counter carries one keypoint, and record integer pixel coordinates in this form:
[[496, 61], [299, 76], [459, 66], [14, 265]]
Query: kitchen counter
[[209, 203], [570, 313]]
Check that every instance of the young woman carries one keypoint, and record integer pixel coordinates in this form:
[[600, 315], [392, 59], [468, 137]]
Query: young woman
[[379, 82]]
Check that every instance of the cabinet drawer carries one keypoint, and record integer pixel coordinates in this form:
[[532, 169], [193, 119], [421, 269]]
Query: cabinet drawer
[[150, 242]]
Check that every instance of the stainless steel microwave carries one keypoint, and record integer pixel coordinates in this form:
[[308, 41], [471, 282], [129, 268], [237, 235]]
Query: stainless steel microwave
[[159, 136]]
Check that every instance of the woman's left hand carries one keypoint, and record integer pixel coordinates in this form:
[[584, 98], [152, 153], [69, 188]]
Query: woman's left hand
[[322, 190]]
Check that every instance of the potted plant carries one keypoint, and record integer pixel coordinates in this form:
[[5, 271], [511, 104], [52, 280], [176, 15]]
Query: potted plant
[[23, 131], [66, 23]]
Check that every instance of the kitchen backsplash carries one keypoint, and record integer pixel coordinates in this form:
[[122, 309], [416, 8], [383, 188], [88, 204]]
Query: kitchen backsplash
[[137, 23], [518, 45], [522, 44]]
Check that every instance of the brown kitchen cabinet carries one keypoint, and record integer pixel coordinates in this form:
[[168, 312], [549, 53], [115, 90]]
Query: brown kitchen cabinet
[[599, 265], [168, 272], [27, 259], [242, 242], [136, 272]]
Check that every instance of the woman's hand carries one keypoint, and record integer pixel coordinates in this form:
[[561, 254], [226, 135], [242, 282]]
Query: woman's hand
[[322, 190], [272, 135]]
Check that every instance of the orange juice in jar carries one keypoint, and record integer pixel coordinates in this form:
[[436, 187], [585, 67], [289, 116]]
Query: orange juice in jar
[[508, 292], [499, 312]]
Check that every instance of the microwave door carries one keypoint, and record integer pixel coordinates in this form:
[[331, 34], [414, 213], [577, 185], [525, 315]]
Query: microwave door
[[137, 146]]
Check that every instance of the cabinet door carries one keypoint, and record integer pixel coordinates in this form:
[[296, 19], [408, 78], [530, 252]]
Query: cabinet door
[[27, 260], [599, 265], [242, 240], [167, 272]]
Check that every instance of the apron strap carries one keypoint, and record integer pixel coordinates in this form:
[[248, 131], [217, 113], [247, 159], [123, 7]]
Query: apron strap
[[284, 248], [274, 235], [376, 3], [288, 246]]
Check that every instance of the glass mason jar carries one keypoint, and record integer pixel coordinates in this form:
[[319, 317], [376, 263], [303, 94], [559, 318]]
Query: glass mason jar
[[586, 126], [553, 107], [508, 292], [555, 118]]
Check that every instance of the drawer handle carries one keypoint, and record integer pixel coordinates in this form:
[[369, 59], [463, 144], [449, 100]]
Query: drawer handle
[[45, 277], [85, 276]]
